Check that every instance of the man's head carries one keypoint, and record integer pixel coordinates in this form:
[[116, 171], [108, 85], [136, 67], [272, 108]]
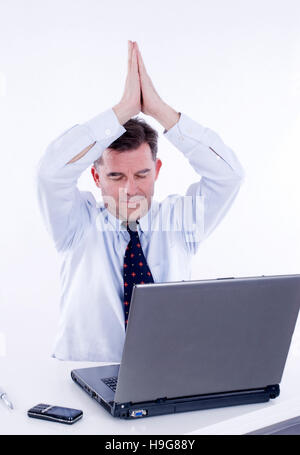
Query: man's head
[[127, 170]]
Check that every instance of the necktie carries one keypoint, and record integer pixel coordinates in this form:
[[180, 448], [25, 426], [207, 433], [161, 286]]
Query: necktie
[[135, 269]]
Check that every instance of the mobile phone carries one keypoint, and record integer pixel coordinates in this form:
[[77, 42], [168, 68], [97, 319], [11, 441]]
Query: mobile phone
[[55, 413]]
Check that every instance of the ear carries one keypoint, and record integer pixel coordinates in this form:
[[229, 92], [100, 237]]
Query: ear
[[95, 176], [157, 167]]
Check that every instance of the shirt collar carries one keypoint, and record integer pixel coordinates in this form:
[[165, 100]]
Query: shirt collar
[[145, 222]]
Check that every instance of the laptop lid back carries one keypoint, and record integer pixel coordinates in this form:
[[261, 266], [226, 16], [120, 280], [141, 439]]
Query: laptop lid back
[[208, 336]]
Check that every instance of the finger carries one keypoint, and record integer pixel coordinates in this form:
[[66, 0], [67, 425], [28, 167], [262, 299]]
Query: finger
[[134, 59], [140, 59], [129, 54]]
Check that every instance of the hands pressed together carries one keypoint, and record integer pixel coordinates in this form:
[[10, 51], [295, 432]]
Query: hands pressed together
[[140, 94]]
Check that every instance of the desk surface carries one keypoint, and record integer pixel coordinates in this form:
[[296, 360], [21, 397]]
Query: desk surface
[[29, 381]]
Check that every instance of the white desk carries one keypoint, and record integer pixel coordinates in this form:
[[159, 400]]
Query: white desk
[[29, 381]]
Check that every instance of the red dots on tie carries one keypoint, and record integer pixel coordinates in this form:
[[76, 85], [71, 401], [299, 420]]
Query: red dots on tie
[[135, 269]]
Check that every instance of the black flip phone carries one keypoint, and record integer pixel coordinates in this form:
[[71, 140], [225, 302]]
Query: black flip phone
[[55, 413]]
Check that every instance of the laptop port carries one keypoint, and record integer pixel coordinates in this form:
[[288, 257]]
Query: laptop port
[[138, 413]]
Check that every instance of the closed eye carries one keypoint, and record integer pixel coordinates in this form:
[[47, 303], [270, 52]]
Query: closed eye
[[119, 178]]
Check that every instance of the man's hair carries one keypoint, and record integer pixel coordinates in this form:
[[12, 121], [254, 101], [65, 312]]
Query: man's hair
[[137, 132]]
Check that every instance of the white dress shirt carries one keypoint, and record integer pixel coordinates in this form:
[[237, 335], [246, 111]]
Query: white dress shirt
[[91, 242]]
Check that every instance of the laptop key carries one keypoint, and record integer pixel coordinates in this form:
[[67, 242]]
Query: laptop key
[[111, 382]]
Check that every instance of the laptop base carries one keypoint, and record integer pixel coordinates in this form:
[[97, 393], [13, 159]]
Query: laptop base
[[163, 406]]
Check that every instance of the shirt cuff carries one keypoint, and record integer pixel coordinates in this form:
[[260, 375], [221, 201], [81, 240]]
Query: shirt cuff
[[184, 131], [105, 126], [203, 146]]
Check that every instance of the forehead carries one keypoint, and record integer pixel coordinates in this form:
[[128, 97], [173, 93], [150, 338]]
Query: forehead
[[129, 159]]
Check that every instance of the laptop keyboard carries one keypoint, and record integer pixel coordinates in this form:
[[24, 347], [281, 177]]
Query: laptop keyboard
[[111, 382]]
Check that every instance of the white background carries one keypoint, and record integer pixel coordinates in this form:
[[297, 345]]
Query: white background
[[233, 66]]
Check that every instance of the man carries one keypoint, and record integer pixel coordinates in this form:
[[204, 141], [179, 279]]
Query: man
[[106, 248]]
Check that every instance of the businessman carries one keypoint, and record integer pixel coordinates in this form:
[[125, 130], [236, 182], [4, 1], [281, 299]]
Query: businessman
[[129, 237]]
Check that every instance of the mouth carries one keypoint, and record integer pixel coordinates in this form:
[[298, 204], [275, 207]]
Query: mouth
[[132, 203]]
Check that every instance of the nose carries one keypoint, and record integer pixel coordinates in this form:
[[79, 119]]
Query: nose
[[131, 187]]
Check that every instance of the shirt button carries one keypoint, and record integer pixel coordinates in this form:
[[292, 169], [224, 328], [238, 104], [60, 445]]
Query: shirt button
[[107, 132]]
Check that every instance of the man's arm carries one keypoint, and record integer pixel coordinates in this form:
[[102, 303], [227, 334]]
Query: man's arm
[[167, 116], [221, 177], [66, 210], [220, 171]]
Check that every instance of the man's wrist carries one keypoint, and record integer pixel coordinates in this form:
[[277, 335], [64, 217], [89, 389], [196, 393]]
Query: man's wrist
[[167, 116], [122, 113]]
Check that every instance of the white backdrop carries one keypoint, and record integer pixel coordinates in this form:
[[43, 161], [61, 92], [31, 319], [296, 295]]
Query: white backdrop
[[232, 66]]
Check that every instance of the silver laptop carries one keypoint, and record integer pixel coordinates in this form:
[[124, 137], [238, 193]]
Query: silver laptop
[[199, 344]]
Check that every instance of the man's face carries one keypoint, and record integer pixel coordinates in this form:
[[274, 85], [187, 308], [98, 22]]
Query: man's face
[[127, 181]]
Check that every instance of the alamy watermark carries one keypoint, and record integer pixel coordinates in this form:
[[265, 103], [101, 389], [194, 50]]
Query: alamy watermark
[[184, 213]]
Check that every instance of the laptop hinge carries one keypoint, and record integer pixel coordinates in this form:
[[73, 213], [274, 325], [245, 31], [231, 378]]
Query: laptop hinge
[[273, 390], [161, 400]]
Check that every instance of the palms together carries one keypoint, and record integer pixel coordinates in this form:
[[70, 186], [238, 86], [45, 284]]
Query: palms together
[[150, 101]]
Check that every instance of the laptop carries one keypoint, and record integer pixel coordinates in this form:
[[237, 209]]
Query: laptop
[[199, 344]]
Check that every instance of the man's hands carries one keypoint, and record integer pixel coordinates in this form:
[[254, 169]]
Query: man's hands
[[140, 94], [130, 103], [151, 101]]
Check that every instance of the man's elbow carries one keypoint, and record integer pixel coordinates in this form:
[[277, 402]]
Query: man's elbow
[[45, 168], [239, 175]]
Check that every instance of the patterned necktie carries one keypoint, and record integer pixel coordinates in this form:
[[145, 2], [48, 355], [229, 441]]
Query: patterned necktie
[[135, 269]]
